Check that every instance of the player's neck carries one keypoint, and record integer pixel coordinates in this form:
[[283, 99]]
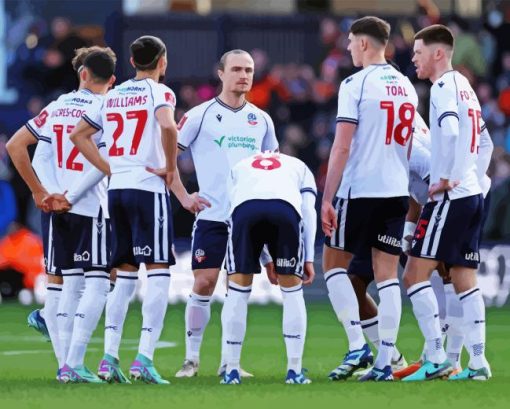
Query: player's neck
[[374, 59], [440, 70], [143, 75], [231, 99], [94, 88]]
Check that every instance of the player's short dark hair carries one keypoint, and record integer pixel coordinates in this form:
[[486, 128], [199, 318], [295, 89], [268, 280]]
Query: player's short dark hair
[[223, 59], [101, 65], [435, 34], [81, 53], [375, 27], [146, 52]]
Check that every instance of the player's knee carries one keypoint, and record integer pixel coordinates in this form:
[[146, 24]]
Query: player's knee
[[287, 281], [54, 279], [204, 284]]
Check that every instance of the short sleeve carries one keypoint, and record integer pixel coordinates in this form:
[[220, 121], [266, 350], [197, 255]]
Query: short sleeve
[[348, 101], [308, 182], [188, 128], [270, 142], [38, 126], [93, 116], [444, 98], [164, 97]]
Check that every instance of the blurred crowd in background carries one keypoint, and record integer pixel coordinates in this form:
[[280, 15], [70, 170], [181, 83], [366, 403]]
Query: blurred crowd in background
[[301, 98]]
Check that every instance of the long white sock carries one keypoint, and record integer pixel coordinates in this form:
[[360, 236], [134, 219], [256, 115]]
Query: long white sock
[[389, 313], [294, 326], [117, 303], [426, 312], [233, 323], [454, 326], [72, 289], [474, 325], [154, 309], [97, 286], [197, 315], [345, 304], [371, 330], [51, 303]]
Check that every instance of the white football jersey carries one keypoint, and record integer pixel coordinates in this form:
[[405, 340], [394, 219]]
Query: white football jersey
[[53, 125], [455, 126], [270, 176], [382, 103], [219, 137], [132, 133], [419, 162]]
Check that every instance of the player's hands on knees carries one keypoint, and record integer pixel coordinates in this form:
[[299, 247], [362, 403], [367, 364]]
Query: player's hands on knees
[[271, 273], [194, 203], [328, 218], [40, 202], [444, 185], [58, 203], [309, 274]]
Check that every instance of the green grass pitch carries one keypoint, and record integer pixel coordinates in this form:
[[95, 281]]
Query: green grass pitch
[[27, 368]]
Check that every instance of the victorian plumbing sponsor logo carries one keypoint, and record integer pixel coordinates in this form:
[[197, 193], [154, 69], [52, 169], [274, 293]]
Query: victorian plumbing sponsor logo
[[391, 241]]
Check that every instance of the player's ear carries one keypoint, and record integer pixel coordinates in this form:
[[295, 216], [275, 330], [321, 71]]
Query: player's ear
[[84, 74], [132, 62], [111, 81], [220, 74]]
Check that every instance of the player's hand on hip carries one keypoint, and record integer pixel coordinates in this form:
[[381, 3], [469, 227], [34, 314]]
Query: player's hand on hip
[[195, 203], [169, 177], [328, 218], [309, 274], [271, 273], [39, 201], [444, 185]]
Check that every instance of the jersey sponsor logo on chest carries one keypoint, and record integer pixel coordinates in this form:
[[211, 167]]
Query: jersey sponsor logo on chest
[[237, 142]]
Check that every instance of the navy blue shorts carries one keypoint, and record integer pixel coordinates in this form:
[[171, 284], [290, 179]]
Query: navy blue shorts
[[361, 266], [369, 222], [47, 239], [142, 230], [449, 231], [208, 244], [81, 241], [272, 222]]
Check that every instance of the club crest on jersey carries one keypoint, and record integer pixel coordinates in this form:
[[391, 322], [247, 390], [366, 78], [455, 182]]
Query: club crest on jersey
[[200, 255], [182, 122], [169, 97], [252, 119], [40, 120]]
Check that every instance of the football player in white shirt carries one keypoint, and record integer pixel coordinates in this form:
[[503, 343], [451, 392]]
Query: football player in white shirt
[[219, 132], [139, 130], [368, 172], [80, 236], [272, 202], [449, 227]]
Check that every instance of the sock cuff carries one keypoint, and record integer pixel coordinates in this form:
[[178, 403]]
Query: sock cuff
[[239, 288], [158, 272], [416, 288], [392, 282], [53, 287], [73, 272], [293, 289], [200, 298], [369, 322], [97, 274], [334, 272], [469, 293], [127, 275]]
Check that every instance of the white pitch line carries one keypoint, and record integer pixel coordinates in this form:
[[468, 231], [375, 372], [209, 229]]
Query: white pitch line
[[159, 345]]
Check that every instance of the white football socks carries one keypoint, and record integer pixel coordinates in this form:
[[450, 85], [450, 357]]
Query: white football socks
[[197, 315], [51, 304], [294, 326], [233, 322], [454, 326], [117, 304], [88, 313], [345, 304], [154, 309]]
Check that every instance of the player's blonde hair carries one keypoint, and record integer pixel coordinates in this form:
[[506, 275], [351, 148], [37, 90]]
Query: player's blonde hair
[[223, 59]]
